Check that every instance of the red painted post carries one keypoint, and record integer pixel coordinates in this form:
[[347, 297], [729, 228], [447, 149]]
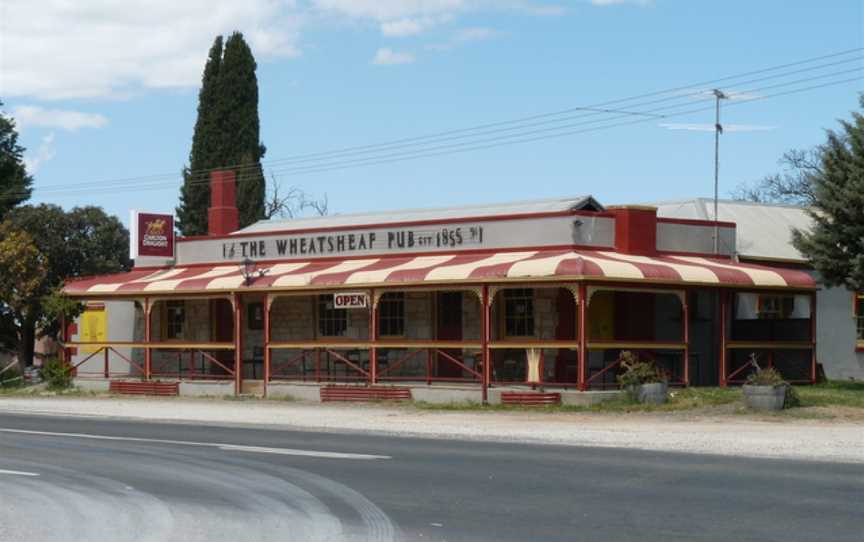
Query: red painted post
[[583, 339], [724, 302], [267, 343], [238, 354], [428, 366], [813, 332], [317, 365], [685, 314], [373, 335], [106, 369], [485, 327], [148, 354]]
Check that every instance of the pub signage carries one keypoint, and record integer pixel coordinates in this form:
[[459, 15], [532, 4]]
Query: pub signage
[[321, 244], [350, 300], [152, 235]]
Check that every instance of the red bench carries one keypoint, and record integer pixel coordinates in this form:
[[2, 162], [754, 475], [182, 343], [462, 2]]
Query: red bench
[[144, 388], [364, 393], [530, 398]]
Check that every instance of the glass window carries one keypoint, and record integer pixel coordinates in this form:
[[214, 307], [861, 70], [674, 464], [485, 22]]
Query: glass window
[[775, 307], [519, 312], [859, 317], [175, 319], [391, 314], [331, 322]]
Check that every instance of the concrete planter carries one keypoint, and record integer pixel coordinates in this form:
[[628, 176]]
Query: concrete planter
[[653, 394], [765, 397]]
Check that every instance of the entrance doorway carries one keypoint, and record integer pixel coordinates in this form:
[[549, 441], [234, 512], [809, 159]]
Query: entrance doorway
[[449, 328]]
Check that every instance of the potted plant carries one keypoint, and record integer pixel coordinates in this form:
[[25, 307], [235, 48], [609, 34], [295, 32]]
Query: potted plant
[[643, 381], [765, 389]]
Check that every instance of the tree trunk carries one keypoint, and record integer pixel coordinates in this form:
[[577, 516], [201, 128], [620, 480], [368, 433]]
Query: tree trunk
[[26, 343]]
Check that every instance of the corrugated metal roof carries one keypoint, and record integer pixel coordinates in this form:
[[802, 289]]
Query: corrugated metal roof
[[763, 230], [412, 215]]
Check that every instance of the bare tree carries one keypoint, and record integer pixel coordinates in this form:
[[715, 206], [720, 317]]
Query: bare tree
[[793, 185], [292, 202]]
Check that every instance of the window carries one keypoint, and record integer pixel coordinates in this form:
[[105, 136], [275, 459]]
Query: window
[[519, 312], [391, 314], [775, 307], [175, 319], [331, 322], [859, 318]]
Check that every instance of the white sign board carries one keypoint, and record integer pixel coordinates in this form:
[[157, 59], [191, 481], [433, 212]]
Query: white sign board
[[350, 300]]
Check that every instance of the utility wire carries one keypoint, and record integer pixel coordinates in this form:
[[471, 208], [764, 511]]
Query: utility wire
[[517, 137], [593, 110]]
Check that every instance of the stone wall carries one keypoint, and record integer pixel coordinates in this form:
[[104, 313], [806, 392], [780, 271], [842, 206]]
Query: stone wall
[[545, 314]]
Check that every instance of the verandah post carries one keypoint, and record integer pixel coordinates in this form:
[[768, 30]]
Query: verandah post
[[238, 355], [373, 336], [685, 315], [724, 302], [148, 354], [266, 343], [485, 327], [583, 342]]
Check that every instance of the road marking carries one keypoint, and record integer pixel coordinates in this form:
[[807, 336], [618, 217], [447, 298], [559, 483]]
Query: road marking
[[303, 453], [18, 473], [219, 445]]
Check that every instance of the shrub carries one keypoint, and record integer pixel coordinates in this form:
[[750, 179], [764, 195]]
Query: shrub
[[638, 371], [10, 378], [57, 374], [766, 377]]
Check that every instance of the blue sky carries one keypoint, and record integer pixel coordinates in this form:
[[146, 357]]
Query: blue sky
[[105, 92]]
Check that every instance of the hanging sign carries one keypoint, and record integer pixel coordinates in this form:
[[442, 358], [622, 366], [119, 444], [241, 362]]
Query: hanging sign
[[152, 235], [350, 300]]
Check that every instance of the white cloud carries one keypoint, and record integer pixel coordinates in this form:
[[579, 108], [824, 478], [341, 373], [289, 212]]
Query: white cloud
[[71, 121], [33, 161], [55, 49], [388, 10], [463, 36], [400, 28], [388, 57]]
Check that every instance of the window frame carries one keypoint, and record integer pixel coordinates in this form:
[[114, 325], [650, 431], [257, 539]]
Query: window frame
[[528, 295], [778, 313], [324, 314], [386, 299], [168, 331]]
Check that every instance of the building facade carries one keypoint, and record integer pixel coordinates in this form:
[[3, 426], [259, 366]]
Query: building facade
[[541, 294]]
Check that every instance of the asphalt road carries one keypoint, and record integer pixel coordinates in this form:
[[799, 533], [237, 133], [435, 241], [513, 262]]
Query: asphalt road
[[78, 479]]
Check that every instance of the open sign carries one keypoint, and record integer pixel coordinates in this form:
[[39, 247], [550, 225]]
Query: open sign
[[350, 300]]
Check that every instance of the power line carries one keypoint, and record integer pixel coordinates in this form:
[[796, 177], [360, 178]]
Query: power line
[[467, 148], [480, 144], [591, 110]]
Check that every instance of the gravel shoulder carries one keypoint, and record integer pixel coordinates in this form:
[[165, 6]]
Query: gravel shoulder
[[808, 438]]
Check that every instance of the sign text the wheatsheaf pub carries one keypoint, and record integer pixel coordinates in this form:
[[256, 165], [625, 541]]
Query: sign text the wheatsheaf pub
[[353, 242]]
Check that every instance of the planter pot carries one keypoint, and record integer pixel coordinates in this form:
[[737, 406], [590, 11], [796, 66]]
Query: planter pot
[[764, 397], [653, 394]]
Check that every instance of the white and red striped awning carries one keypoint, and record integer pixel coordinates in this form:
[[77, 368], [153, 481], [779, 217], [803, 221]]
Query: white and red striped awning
[[442, 269]]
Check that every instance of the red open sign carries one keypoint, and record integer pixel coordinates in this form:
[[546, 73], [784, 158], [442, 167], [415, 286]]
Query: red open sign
[[350, 300]]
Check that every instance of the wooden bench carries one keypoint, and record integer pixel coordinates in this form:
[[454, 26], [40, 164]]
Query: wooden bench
[[364, 393], [144, 388], [530, 398]]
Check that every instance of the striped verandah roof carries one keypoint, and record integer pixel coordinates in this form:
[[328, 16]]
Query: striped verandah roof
[[451, 269]]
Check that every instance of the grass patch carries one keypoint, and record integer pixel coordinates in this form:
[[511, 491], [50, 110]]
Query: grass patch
[[832, 393]]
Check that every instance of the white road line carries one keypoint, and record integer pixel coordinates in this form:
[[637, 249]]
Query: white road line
[[219, 445], [304, 453], [18, 473]]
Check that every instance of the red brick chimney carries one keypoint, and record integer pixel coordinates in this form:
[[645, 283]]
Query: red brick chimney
[[635, 229], [222, 217]]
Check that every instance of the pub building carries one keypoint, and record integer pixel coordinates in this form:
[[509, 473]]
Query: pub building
[[451, 304]]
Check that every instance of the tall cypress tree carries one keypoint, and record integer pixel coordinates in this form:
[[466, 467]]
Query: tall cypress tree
[[15, 183], [226, 135], [835, 244]]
